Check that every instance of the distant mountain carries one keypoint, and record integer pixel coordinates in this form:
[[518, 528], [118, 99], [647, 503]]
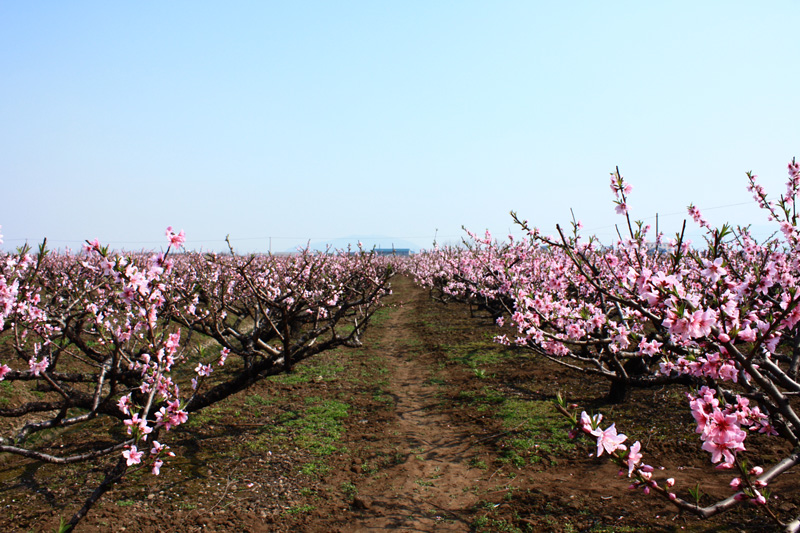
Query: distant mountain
[[368, 242]]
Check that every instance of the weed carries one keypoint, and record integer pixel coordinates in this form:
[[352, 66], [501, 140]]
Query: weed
[[299, 509], [369, 468], [501, 525], [349, 489], [481, 521], [315, 469], [477, 463]]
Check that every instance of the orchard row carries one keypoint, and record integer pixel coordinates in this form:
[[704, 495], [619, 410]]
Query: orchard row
[[129, 346], [722, 319]]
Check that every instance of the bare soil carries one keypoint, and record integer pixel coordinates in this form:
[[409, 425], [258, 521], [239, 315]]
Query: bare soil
[[429, 427]]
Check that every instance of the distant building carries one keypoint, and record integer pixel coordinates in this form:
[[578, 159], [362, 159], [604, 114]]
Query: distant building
[[393, 251]]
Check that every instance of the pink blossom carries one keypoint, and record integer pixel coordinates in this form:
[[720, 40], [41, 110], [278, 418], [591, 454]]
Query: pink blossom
[[701, 323], [133, 455], [728, 372], [609, 441], [175, 240], [135, 423], [634, 457], [747, 334], [590, 424], [574, 331], [714, 270], [203, 370], [723, 449], [124, 404], [157, 448], [694, 212], [173, 342], [179, 417], [649, 348], [37, 367], [794, 169]]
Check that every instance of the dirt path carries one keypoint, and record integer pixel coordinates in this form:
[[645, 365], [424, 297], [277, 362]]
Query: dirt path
[[427, 489]]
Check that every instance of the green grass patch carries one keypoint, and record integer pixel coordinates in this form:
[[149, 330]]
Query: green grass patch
[[485, 396], [349, 489], [475, 357], [256, 400], [210, 415], [536, 429], [315, 469], [299, 509], [311, 370], [316, 427]]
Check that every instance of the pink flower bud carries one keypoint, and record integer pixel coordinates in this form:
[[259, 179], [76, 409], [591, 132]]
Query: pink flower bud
[[670, 482], [672, 496], [756, 471], [736, 483]]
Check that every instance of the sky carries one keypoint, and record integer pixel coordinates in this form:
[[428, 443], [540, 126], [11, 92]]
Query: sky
[[280, 123]]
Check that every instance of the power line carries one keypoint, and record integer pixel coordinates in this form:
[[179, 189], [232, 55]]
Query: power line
[[662, 215]]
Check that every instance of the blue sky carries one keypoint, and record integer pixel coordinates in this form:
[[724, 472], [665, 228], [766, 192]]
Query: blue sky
[[302, 121]]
